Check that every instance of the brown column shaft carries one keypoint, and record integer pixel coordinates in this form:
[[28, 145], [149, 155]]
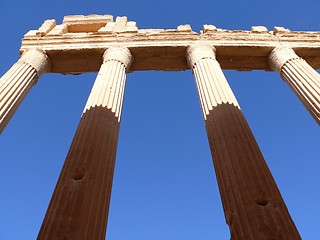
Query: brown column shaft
[[253, 206], [300, 76], [79, 206], [17, 82]]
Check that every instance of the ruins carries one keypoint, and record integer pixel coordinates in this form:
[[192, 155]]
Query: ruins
[[252, 203]]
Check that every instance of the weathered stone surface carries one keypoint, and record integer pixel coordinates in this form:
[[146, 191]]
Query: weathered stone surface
[[90, 23], [79, 206], [46, 27], [302, 79], [279, 30], [78, 44], [208, 28], [184, 28], [121, 25], [89, 19], [279, 56], [17, 82], [259, 29], [253, 206], [58, 30]]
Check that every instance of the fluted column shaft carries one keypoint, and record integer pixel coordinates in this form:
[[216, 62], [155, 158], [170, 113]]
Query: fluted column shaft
[[300, 76], [79, 206], [17, 82], [253, 206]]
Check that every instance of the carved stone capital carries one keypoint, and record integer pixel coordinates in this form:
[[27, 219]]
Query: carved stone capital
[[199, 51], [279, 56], [120, 54], [38, 59]]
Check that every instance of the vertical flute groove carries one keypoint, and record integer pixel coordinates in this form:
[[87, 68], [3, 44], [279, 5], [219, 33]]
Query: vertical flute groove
[[80, 202], [300, 76], [253, 206], [17, 82]]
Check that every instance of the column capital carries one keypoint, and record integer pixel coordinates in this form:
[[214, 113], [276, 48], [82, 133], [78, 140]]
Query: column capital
[[199, 51], [38, 59], [279, 56], [121, 54], [300, 76]]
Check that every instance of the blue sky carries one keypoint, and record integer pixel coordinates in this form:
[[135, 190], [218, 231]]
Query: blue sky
[[164, 184]]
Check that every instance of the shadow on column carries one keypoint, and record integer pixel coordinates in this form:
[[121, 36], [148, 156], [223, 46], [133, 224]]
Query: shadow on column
[[82, 195], [253, 206]]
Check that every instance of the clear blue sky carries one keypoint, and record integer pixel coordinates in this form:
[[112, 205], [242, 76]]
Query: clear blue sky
[[164, 185]]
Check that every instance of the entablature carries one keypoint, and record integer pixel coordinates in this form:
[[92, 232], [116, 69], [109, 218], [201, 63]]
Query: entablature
[[77, 45]]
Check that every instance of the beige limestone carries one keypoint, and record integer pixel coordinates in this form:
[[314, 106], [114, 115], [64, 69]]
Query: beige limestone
[[253, 206], [58, 30], [114, 59], [259, 29], [92, 35], [210, 98], [207, 28], [252, 203], [80, 203], [121, 25], [279, 30], [37, 59], [185, 28], [90, 23], [18, 81], [90, 20], [300, 76], [46, 27], [279, 56]]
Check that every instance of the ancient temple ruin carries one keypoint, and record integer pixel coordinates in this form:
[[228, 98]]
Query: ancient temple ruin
[[252, 203]]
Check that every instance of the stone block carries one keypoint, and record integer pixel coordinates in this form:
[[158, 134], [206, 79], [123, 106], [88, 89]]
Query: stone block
[[58, 30], [121, 23], [184, 28], [46, 27], [208, 28], [280, 30], [31, 33], [90, 23], [74, 19], [259, 29]]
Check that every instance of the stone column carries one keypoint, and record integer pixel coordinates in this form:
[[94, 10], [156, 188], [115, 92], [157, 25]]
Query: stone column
[[300, 76], [17, 82], [253, 206], [80, 203]]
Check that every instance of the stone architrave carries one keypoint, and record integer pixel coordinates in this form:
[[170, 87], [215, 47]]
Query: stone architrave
[[80, 203], [253, 206], [300, 76], [17, 82]]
